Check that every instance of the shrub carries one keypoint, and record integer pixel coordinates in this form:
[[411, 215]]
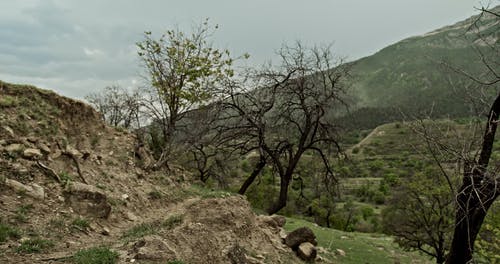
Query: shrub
[[80, 223], [36, 245], [95, 255], [7, 232]]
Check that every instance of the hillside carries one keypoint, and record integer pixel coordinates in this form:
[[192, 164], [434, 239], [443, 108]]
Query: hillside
[[70, 187], [408, 76]]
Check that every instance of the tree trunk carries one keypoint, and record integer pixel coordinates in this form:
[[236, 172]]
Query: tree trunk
[[281, 202], [477, 193], [468, 222], [258, 168]]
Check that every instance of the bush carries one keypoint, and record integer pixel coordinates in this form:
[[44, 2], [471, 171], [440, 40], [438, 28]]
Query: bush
[[80, 223], [95, 255]]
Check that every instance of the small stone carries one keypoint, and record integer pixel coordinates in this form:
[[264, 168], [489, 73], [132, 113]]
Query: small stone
[[130, 216], [125, 196], [9, 130], [45, 149], [14, 148], [105, 231], [340, 252], [61, 199], [32, 153]]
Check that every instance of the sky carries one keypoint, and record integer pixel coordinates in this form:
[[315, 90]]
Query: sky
[[76, 47]]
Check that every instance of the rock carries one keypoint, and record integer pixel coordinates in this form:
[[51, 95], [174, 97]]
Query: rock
[[299, 236], [274, 221], [132, 217], [283, 234], [340, 252], [56, 154], [32, 153], [9, 130], [44, 148], [280, 220], [152, 248], [34, 190], [105, 231], [87, 200], [73, 151], [307, 251], [14, 148], [3, 142], [125, 197]]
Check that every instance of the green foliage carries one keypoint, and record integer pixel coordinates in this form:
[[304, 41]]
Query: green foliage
[[421, 213], [141, 230], [172, 221], [35, 245], [8, 101], [80, 223], [95, 255], [22, 212], [487, 246], [359, 247], [7, 232]]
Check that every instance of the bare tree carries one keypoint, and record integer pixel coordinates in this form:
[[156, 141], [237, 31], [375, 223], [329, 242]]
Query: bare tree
[[117, 105], [471, 150], [285, 116]]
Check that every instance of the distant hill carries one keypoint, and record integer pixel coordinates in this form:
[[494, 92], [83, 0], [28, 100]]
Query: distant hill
[[407, 75]]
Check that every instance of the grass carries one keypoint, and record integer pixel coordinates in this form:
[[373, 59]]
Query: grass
[[95, 255], [7, 232], [80, 223], [22, 212], [35, 245], [359, 247], [8, 101], [152, 228]]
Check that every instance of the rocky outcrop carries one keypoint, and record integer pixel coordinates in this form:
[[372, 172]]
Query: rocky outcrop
[[87, 200], [33, 190]]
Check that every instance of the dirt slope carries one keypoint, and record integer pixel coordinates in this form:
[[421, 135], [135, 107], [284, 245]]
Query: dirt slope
[[67, 178]]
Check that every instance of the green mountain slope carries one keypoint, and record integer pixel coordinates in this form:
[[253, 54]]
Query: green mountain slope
[[407, 75]]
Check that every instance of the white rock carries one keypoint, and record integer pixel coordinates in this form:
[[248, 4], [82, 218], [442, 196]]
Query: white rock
[[32, 153], [340, 252]]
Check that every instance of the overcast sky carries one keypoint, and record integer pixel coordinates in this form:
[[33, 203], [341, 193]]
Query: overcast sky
[[74, 47]]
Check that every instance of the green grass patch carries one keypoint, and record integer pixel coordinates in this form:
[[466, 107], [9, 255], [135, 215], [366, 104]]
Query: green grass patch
[[80, 223], [35, 245], [8, 101], [359, 247], [95, 255], [172, 221], [22, 212], [141, 230], [7, 232]]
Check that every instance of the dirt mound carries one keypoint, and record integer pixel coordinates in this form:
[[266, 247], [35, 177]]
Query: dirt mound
[[217, 230], [69, 182]]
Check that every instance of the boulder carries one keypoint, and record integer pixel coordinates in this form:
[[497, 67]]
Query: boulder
[[307, 251], [33, 190], [340, 252], [280, 220], [32, 153], [87, 200], [299, 236]]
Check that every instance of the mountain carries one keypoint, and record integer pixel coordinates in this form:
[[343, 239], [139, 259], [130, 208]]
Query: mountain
[[409, 74]]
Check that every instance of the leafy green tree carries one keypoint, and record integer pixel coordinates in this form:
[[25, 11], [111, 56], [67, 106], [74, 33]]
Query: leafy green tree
[[183, 71], [420, 215]]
